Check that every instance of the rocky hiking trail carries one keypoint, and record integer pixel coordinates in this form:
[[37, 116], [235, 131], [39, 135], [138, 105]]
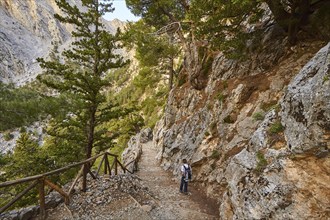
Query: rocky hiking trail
[[150, 193]]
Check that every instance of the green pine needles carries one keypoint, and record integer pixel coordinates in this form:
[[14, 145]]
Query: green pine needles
[[80, 78]]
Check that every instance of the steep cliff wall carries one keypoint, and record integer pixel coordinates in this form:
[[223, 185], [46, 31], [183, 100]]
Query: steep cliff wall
[[257, 136], [28, 30]]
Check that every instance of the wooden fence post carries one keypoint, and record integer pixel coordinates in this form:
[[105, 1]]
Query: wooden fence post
[[42, 198], [106, 164], [84, 181], [99, 167], [116, 167]]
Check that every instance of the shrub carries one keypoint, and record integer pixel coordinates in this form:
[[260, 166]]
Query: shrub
[[215, 154], [213, 166], [258, 116], [8, 136], [262, 162], [22, 130], [266, 106], [228, 120], [225, 84], [276, 127], [325, 78], [221, 97]]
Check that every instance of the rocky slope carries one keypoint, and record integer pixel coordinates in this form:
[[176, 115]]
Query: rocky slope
[[257, 135], [28, 30]]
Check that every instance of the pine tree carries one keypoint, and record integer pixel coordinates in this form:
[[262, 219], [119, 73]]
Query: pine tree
[[205, 26], [81, 77], [152, 51], [25, 158]]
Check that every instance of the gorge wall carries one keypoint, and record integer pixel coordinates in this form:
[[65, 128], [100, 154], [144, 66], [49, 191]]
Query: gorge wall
[[28, 30], [258, 135]]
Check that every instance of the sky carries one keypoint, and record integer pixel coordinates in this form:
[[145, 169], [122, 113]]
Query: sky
[[121, 12]]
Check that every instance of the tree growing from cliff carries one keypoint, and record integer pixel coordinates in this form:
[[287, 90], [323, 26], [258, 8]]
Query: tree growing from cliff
[[152, 51], [80, 76], [201, 28]]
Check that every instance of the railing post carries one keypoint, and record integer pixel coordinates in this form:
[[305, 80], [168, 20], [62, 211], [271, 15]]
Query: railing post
[[106, 163], [100, 165], [116, 167], [84, 181], [42, 198]]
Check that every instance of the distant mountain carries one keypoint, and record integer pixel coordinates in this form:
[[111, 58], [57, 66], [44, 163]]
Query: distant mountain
[[28, 30]]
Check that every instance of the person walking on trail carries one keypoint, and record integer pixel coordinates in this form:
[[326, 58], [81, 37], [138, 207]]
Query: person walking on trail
[[185, 176]]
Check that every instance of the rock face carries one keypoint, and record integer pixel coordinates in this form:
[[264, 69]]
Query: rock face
[[132, 153], [257, 137], [28, 30], [306, 106]]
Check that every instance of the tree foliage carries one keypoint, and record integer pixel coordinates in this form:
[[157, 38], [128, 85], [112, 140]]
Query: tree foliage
[[295, 15], [26, 160], [222, 25], [25, 105], [80, 76], [151, 50], [220, 21]]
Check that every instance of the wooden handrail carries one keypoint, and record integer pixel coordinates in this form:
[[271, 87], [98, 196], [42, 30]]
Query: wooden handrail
[[20, 195], [30, 178], [41, 180]]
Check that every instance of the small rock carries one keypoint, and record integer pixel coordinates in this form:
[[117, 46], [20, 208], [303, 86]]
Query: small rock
[[146, 208]]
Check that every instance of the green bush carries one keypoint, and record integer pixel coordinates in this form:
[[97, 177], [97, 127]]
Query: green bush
[[22, 130], [8, 136], [261, 162], [225, 84], [276, 127], [213, 166], [215, 154], [228, 120], [221, 97], [266, 106], [258, 116]]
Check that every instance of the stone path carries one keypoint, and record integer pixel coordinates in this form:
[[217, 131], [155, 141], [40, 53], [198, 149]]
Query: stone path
[[171, 203], [151, 193]]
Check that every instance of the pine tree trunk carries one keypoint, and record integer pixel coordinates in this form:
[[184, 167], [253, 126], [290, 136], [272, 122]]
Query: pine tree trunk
[[89, 147]]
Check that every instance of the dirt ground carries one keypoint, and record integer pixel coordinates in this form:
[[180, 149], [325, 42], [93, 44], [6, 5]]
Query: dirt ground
[[151, 193]]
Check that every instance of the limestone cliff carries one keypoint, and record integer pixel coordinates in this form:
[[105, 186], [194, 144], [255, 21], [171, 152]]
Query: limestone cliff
[[257, 136], [28, 30]]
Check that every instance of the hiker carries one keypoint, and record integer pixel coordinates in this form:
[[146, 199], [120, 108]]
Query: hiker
[[185, 176]]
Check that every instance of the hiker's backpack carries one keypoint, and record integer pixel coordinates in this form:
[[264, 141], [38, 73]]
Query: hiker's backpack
[[188, 172]]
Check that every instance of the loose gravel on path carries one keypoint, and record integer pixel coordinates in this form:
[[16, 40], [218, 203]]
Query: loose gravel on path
[[151, 193]]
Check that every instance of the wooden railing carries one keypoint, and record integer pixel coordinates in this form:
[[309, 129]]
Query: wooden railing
[[41, 180]]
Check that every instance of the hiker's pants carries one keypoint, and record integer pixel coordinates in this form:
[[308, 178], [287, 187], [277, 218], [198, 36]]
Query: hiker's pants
[[183, 185]]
